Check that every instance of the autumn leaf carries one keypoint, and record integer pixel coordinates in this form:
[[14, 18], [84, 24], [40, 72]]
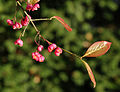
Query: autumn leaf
[[62, 22], [97, 49], [90, 73]]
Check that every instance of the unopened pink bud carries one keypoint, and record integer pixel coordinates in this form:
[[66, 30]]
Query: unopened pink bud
[[40, 48], [10, 22]]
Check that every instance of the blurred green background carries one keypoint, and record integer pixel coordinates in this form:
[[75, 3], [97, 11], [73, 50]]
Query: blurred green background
[[91, 21]]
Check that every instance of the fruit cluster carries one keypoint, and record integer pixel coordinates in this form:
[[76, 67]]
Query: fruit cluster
[[38, 57], [32, 6]]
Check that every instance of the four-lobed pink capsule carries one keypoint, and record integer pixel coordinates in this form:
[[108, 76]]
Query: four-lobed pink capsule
[[19, 42], [52, 47]]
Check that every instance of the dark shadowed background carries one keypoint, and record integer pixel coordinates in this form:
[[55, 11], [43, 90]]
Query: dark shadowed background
[[91, 21]]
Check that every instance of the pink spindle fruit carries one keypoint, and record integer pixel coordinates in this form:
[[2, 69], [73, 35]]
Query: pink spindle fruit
[[19, 42], [10, 22], [58, 51], [51, 47], [40, 48]]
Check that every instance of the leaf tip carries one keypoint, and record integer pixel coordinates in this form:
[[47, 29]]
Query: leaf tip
[[94, 85], [62, 22]]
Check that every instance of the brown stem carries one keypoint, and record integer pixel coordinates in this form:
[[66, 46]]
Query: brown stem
[[35, 39], [24, 30]]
